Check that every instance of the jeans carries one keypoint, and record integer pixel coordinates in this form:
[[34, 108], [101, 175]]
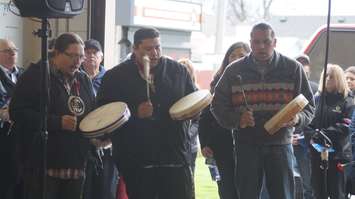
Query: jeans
[[304, 166], [275, 162]]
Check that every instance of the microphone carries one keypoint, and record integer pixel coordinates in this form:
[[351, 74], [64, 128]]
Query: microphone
[[239, 80]]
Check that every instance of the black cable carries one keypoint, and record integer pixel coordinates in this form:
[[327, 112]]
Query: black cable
[[325, 64], [324, 154]]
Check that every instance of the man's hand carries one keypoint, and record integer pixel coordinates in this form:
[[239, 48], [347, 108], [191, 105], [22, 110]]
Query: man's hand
[[69, 122], [295, 139], [294, 121], [207, 152], [145, 110], [247, 119], [98, 143]]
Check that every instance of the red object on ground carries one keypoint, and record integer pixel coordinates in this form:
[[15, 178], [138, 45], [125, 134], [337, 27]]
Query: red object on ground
[[121, 189]]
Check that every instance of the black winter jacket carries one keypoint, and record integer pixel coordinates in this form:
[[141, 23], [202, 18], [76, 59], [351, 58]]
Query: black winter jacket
[[65, 149], [211, 134], [335, 110], [144, 142]]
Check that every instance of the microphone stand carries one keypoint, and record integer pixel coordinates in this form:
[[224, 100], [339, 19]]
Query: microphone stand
[[325, 153], [43, 33]]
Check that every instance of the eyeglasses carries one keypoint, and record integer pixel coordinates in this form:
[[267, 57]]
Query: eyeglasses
[[75, 56], [9, 50]]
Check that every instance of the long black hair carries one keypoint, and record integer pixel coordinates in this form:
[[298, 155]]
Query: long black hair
[[225, 61]]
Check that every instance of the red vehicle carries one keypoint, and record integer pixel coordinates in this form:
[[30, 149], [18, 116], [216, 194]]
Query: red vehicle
[[341, 48]]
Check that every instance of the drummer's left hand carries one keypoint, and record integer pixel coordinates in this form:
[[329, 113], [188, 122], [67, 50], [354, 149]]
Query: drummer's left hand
[[98, 143], [293, 122], [69, 122]]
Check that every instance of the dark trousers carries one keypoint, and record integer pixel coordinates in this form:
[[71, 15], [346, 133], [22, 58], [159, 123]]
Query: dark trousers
[[335, 179], [8, 176], [223, 153], [56, 188], [101, 183], [193, 165], [60, 189], [226, 186], [158, 183], [350, 171]]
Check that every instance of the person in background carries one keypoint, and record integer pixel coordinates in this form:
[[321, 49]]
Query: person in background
[[350, 181], [334, 122], [151, 150], [92, 63], [101, 173], [71, 98], [350, 77], [193, 131], [301, 150], [263, 76], [305, 61], [216, 141], [9, 73]]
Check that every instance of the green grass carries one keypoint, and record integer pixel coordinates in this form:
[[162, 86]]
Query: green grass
[[205, 188]]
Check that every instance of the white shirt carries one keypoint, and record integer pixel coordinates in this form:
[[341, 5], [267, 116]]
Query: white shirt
[[11, 74]]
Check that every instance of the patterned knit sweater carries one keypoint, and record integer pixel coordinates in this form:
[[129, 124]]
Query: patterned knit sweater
[[268, 89]]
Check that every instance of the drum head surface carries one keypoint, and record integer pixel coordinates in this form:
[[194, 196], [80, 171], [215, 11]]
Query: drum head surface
[[190, 103], [103, 117], [285, 114]]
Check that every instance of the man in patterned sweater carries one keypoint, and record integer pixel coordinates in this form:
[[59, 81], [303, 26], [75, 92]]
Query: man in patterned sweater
[[270, 81]]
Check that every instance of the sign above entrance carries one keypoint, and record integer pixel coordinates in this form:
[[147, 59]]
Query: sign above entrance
[[160, 14]]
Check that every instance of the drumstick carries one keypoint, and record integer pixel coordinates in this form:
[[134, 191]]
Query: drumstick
[[146, 64], [239, 79]]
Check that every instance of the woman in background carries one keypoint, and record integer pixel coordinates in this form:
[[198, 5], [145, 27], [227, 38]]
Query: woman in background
[[217, 142], [334, 122], [193, 130], [350, 181]]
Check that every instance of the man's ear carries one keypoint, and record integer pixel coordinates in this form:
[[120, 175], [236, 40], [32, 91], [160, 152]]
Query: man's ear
[[134, 47]]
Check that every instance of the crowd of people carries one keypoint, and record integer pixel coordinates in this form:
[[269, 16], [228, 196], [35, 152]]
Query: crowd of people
[[152, 156]]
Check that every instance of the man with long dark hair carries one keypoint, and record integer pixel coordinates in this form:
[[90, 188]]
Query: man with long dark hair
[[71, 98]]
